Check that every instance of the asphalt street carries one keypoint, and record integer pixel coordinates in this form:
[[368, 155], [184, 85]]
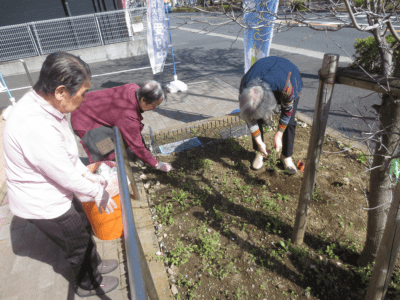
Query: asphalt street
[[198, 56]]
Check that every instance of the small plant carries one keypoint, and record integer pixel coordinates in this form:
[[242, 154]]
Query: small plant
[[330, 253], [286, 198], [316, 196], [271, 161], [299, 253], [365, 276], [224, 271], [286, 246], [205, 163], [209, 244], [323, 276], [362, 158], [192, 287], [181, 253], [224, 181], [164, 212], [193, 131], [341, 221], [179, 197], [307, 291], [396, 277]]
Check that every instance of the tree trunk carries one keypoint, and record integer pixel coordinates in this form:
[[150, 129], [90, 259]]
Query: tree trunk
[[387, 253], [379, 188]]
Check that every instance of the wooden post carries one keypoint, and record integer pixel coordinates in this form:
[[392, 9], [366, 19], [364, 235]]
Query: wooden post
[[324, 96], [387, 252]]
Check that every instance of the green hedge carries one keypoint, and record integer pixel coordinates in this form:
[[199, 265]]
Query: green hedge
[[367, 55]]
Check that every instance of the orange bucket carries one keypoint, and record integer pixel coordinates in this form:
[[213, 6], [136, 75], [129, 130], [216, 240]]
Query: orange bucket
[[105, 227]]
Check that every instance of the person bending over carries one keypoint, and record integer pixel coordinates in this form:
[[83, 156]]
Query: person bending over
[[120, 106], [271, 82]]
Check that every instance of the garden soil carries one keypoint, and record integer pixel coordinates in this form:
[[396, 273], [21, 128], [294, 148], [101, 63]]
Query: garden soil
[[225, 229]]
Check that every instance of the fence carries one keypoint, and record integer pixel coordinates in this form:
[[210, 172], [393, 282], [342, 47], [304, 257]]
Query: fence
[[45, 37]]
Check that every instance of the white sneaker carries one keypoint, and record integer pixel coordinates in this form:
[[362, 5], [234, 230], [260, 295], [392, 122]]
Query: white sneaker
[[289, 165], [258, 161]]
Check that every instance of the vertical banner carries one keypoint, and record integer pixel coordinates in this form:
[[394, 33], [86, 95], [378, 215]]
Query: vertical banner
[[157, 35], [260, 17]]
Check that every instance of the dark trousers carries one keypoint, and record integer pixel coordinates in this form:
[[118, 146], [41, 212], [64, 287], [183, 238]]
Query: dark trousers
[[288, 134], [73, 233]]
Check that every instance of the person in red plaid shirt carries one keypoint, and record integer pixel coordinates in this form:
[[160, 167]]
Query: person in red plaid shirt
[[271, 82]]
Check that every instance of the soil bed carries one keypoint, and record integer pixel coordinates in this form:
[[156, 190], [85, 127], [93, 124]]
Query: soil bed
[[224, 229]]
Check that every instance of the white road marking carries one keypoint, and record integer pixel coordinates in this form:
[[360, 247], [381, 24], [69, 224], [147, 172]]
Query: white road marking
[[98, 75], [305, 52]]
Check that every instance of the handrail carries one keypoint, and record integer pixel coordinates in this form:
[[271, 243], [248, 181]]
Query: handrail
[[25, 67], [139, 274], [27, 72]]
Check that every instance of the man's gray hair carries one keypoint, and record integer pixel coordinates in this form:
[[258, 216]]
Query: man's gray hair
[[257, 101], [151, 91]]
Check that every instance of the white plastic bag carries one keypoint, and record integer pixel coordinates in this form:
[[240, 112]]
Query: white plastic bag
[[111, 176]]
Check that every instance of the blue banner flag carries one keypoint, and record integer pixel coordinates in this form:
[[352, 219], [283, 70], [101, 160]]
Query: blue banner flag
[[260, 17], [157, 35]]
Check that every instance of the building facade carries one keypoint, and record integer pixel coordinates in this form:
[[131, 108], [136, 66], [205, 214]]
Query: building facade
[[24, 11]]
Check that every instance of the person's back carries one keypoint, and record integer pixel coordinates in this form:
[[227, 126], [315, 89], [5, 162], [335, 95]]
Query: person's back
[[105, 107], [274, 70]]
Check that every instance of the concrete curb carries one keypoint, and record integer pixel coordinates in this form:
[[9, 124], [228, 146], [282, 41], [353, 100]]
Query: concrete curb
[[148, 239], [89, 55]]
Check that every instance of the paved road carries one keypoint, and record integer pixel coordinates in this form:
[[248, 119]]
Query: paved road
[[200, 55]]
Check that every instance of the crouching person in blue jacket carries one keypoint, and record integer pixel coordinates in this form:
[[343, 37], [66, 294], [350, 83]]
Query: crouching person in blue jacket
[[271, 82]]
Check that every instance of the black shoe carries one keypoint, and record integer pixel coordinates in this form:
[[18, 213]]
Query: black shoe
[[108, 284], [107, 266]]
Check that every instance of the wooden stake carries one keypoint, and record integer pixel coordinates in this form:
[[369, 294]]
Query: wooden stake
[[323, 102]]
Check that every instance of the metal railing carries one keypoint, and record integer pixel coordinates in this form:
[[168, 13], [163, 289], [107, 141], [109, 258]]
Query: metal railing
[[26, 70], [140, 280], [64, 34]]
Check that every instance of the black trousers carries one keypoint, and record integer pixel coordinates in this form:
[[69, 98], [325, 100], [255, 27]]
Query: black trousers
[[288, 134], [73, 233]]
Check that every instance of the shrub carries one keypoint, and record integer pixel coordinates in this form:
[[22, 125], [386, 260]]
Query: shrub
[[359, 3], [367, 55], [298, 5]]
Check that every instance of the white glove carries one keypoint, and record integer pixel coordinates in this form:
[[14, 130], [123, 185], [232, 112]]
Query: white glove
[[165, 167], [103, 200], [278, 141], [261, 146], [96, 178]]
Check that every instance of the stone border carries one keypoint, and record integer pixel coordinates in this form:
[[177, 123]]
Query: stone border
[[215, 122]]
